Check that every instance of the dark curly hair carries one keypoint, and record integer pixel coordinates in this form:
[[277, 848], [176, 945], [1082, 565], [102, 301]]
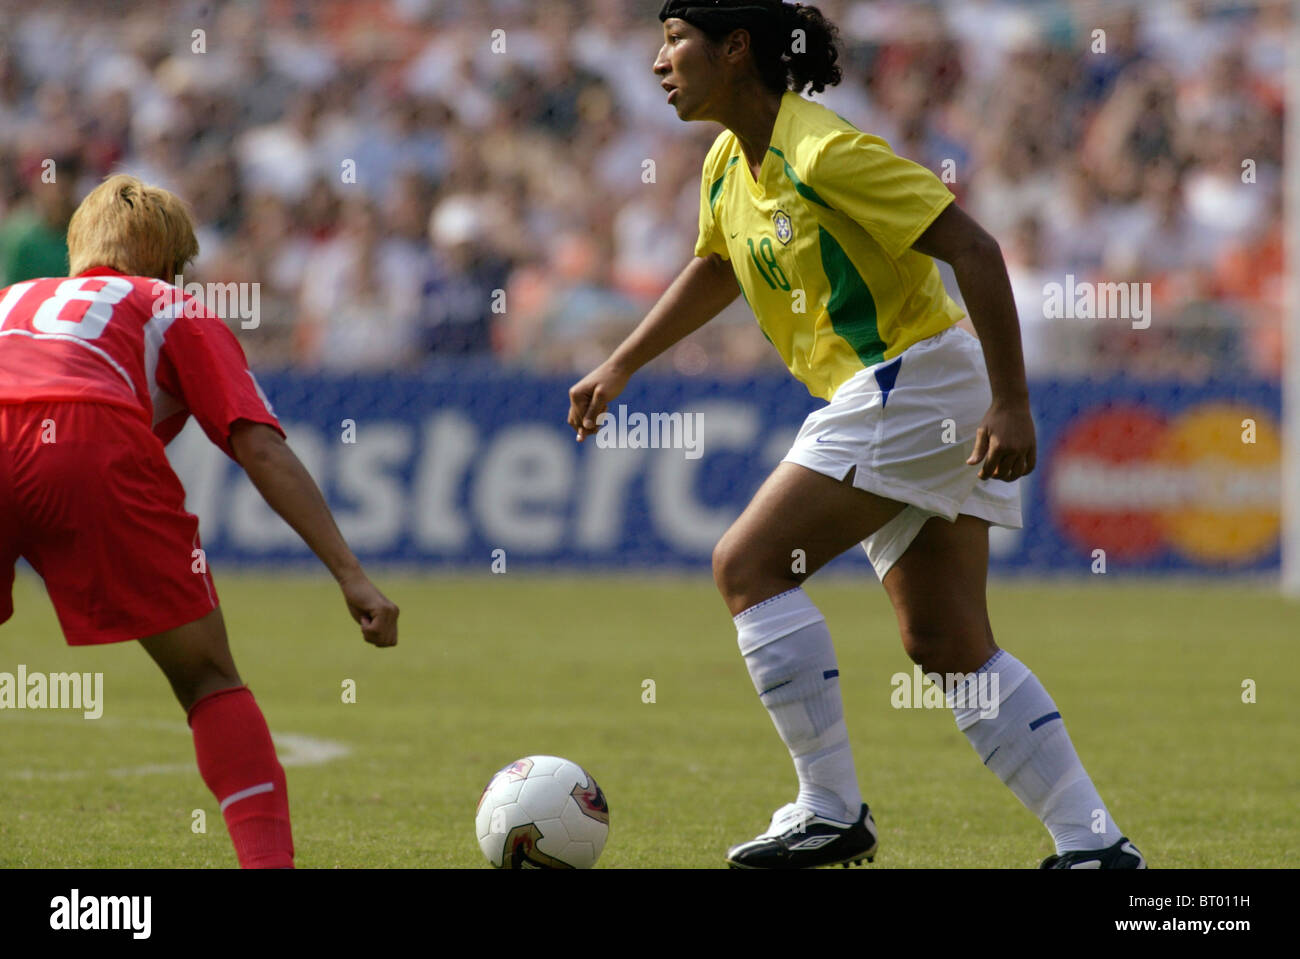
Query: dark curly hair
[[794, 46]]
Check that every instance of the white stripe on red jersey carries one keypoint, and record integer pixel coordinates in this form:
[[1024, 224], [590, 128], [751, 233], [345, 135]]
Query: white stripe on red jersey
[[130, 341]]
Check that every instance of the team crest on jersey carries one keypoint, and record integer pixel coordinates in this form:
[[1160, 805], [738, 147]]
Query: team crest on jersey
[[784, 229]]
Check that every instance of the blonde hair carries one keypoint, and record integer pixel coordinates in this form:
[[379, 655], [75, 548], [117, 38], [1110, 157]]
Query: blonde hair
[[136, 229]]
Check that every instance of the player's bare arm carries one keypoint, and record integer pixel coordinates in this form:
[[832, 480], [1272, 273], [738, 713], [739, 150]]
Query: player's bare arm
[[701, 291], [1005, 443], [289, 489]]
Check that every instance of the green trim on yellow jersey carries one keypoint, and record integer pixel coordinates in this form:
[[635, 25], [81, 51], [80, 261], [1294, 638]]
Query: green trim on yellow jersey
[[717, 184], [821, 243], [852, 308], [803, 189]]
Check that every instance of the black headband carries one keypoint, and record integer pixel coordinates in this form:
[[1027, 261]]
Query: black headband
[[714, 16]]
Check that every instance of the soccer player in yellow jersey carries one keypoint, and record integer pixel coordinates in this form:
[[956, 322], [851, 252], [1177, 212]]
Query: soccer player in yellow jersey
[[830, 237]]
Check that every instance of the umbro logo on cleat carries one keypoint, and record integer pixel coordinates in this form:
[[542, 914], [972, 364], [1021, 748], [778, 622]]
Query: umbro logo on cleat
[[813, 842]]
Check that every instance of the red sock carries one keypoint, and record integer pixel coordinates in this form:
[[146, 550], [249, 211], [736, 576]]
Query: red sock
[[237, 761]]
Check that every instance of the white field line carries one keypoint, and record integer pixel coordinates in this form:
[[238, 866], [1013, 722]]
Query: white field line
[[293, 749]]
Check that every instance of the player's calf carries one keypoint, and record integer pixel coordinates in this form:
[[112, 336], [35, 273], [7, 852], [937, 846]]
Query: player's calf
[[232, 743], [237, 761], [195, 658]]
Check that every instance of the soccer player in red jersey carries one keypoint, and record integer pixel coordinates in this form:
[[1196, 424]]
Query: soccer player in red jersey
[[97, 372]]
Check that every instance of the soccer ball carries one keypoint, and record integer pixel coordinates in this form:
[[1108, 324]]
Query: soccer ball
[[542, 812]]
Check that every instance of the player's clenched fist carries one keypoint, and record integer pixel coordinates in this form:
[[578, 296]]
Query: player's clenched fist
[[1005, 446], [590, 396], [376, 613]]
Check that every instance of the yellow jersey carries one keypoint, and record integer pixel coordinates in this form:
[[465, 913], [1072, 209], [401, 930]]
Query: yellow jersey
[[821, 243]]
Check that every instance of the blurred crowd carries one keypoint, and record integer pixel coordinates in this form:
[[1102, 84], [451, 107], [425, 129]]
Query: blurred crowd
[[409, 179]]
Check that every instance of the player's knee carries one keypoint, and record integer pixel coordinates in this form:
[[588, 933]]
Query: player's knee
[[735, 570], [200, 677], [725, 566], [744, 575], [944, 648], [916, 644], [928, 645]]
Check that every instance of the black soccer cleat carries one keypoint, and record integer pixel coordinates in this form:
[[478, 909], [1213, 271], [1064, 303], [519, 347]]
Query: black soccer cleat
[[797, 839], [1122, 855]]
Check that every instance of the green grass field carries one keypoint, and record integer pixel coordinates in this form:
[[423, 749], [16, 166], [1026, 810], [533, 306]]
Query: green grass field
[[1148, 677]]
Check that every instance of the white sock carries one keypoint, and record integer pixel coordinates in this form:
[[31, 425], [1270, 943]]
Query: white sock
[[791, 660], [1027, 746]]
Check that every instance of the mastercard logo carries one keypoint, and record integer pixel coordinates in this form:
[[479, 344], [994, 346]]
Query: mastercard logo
[[1206, 483]]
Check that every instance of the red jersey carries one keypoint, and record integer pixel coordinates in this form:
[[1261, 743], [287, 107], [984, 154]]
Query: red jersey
[[129, 341]]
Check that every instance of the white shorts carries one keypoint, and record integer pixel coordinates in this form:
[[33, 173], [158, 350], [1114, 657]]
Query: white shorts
[[908, 425]]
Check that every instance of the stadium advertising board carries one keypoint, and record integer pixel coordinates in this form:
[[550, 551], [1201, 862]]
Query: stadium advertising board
[[449, 469]]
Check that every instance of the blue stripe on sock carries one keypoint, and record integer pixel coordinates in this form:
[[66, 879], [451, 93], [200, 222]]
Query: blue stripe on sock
[[830, 674], [1043, 719], [990, 755], [777, 686]]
